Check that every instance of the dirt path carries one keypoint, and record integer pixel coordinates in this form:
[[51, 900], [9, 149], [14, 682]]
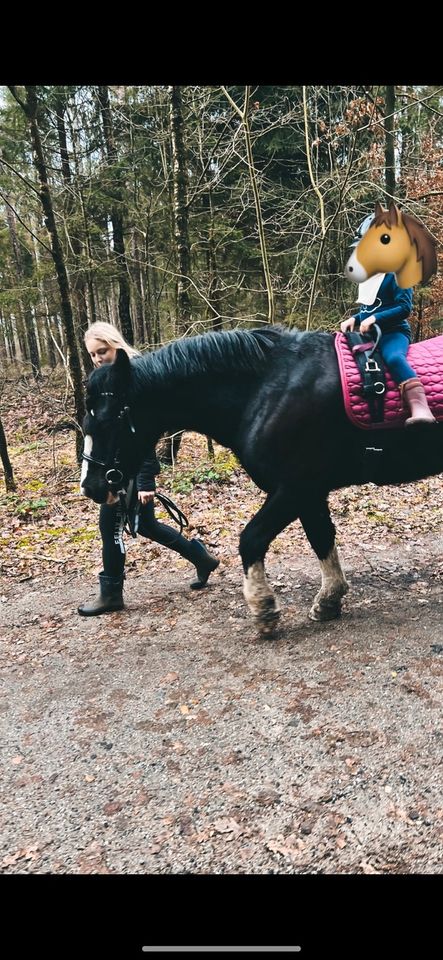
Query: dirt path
[[167, 738]]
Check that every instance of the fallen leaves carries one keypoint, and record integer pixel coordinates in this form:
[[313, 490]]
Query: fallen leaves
[[368, 868], [168, 678], [227, 825], [114, 806], [291, 846], [29, 853]]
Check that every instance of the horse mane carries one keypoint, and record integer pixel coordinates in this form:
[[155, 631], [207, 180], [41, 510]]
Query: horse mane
[[417, 233], [225, 352], [425, 243], [387, 217]]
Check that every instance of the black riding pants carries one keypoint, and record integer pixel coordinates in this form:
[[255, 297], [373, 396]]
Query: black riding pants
[[113, 551]]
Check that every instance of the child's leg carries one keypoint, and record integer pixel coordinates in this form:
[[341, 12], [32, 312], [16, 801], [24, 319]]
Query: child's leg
[[393, 348]]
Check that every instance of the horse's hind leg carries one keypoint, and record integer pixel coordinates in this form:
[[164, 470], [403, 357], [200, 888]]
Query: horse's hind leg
[[320, 531], [275, 514]]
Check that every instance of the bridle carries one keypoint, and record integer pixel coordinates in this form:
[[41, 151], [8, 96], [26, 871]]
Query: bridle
[[114, 475], [114, 479]]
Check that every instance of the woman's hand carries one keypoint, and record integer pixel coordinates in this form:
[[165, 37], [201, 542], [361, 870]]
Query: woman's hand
[[366, 324], [145, 496], [347, 324]]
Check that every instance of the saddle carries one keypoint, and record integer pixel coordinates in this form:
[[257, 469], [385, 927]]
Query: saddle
[[425, 357]]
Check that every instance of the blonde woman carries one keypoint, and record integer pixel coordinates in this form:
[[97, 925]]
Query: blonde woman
[[102, 342]]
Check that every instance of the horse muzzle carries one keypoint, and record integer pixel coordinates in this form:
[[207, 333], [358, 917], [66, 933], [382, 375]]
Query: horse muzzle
[[99, 492], [354, 270]]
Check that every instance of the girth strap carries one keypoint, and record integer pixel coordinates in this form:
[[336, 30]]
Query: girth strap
[[372, 370]]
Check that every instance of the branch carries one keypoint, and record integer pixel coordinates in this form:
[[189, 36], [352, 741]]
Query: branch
[[308, 157], [24, 224], [431, 193], [420, 100], [258, 212], [233, 103], [26, 182], [19, 100]]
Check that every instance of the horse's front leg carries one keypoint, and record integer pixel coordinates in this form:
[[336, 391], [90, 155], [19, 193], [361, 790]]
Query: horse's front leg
[[275, 514], [320, 531]]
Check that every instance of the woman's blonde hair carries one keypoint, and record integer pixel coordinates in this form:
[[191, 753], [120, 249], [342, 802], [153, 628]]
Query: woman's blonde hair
[[110, 335]]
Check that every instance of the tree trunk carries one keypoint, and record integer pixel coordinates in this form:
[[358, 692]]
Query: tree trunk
[[78, 283], [30, 108], [244, 116], [26, 324], [213, 310], [149, 300], [9, 475], [139, 324], [180, 211], [124, 311], [87, 238], [389, 141], [169, 446]]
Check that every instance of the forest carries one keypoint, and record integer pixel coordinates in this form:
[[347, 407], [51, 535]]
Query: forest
[[175, 210]]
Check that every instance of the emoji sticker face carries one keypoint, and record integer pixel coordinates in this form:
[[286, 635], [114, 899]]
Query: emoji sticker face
[[392, 242]]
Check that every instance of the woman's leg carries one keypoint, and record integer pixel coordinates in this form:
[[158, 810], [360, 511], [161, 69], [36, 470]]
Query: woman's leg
[[110, 597], [192, 550], [113, 548]]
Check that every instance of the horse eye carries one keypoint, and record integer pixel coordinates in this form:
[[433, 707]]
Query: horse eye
[[385, 238]]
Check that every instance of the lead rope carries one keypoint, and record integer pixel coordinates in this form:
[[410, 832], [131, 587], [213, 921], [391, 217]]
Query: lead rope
[[129, 519]]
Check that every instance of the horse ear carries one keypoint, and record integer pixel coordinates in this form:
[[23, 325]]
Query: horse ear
[[122, 367], [393, 213], [378, 209]]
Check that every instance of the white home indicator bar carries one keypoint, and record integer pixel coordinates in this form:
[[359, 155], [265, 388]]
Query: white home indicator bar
[[221, 949]]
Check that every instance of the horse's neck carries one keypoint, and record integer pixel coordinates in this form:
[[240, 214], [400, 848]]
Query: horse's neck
[[205, 405], [411, 273]]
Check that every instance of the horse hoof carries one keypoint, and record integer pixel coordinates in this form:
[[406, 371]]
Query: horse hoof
[[267, 623], [322, 613]]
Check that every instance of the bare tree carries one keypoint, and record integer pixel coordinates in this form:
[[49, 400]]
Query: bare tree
[[389, 141], [78, 281], [244, 117], [124, 311], [7, 466], [180, 211], [30, 108]]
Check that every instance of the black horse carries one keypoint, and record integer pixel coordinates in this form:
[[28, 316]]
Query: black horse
[[274, 398]]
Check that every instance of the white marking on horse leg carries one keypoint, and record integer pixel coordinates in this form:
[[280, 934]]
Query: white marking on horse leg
[[327, 603], [85, 464], [260, 597]]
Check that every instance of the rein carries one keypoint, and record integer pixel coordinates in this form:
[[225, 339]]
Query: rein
[[171, 508], [174, 511]]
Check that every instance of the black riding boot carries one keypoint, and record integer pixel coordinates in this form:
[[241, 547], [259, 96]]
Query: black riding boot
[[204, 563], [109, 599]]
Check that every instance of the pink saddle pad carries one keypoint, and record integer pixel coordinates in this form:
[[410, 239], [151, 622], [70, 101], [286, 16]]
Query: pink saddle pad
[[425, 357]]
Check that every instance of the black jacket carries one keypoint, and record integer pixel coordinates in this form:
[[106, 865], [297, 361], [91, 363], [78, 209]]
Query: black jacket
[[391, 308], [149, 469]]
